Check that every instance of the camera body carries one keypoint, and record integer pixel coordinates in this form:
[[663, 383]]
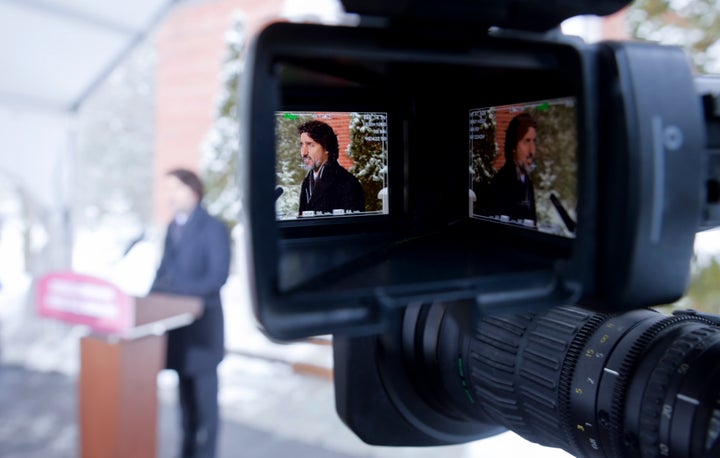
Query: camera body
[[479, 209], [640, 159]]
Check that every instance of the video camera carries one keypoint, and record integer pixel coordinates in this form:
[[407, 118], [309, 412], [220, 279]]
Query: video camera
[[480, 209]]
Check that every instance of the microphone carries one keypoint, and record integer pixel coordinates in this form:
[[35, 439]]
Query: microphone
[[569, 223]]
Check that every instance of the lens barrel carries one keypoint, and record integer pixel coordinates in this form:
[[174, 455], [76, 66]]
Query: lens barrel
[[635, 384]]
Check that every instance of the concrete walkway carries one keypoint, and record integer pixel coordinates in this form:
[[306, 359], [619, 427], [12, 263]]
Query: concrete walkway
[[267, 409]]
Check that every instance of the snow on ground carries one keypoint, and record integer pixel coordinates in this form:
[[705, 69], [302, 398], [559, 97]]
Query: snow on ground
[[707, 246]]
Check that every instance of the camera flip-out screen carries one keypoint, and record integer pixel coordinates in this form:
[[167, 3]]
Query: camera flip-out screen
[[358, 176], [523, 164], [331, 164]]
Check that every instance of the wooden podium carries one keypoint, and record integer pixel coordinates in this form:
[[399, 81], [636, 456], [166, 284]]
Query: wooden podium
[[118, 402]]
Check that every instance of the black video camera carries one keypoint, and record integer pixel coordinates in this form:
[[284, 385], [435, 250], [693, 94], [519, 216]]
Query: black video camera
[[480, 210]]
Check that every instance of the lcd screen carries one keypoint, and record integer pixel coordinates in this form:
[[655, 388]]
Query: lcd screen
[[523, 165], [331, 164]]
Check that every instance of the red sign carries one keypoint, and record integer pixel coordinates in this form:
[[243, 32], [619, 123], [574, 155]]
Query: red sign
[[82, 299]]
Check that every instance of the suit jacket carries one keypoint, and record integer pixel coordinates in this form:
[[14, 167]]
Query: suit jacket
[[337, 189], [196, 263], [510, 196]]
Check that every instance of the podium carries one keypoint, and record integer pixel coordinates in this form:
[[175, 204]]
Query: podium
[[120, 359], [118, 379]]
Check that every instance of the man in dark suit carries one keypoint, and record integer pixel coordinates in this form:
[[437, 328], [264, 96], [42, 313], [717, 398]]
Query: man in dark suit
[[328, 186], [195, 262], [512, 192]]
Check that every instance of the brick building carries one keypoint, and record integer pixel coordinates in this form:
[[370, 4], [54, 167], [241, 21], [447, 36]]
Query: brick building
[[190, 49]]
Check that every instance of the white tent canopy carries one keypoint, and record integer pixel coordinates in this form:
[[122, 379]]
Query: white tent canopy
[[53, 54]]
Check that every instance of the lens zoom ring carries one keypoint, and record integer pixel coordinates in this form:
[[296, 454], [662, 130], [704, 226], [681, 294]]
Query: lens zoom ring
[[574, 352], [518, 366]]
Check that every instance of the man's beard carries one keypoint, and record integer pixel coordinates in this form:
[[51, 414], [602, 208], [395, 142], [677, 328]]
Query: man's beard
[[528, 168], [313, 166]]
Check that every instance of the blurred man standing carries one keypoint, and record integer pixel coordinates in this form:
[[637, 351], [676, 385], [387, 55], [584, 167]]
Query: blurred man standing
[[195, 262]]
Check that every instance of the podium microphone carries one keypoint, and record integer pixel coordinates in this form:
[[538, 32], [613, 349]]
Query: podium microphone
[[569, 223]]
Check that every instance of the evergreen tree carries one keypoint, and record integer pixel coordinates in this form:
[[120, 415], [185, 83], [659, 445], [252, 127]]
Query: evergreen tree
[[116, 136], [367, 149], [219, 163], [483, 148], [556, 161], [693, 25], [288, 163]]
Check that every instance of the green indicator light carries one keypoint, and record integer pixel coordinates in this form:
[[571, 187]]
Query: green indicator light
[[470, 397], [543, 107], [291, 116], [463, 381]]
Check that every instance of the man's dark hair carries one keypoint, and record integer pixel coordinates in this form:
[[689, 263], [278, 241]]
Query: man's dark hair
[[324, 134], [518, 127], [189, 179]]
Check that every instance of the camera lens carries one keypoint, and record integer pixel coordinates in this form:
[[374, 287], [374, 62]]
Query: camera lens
[[635, 384]]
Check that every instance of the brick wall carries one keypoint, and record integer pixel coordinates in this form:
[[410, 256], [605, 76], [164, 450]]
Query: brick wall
[[340, 122], [502, 119], [190, 49]]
